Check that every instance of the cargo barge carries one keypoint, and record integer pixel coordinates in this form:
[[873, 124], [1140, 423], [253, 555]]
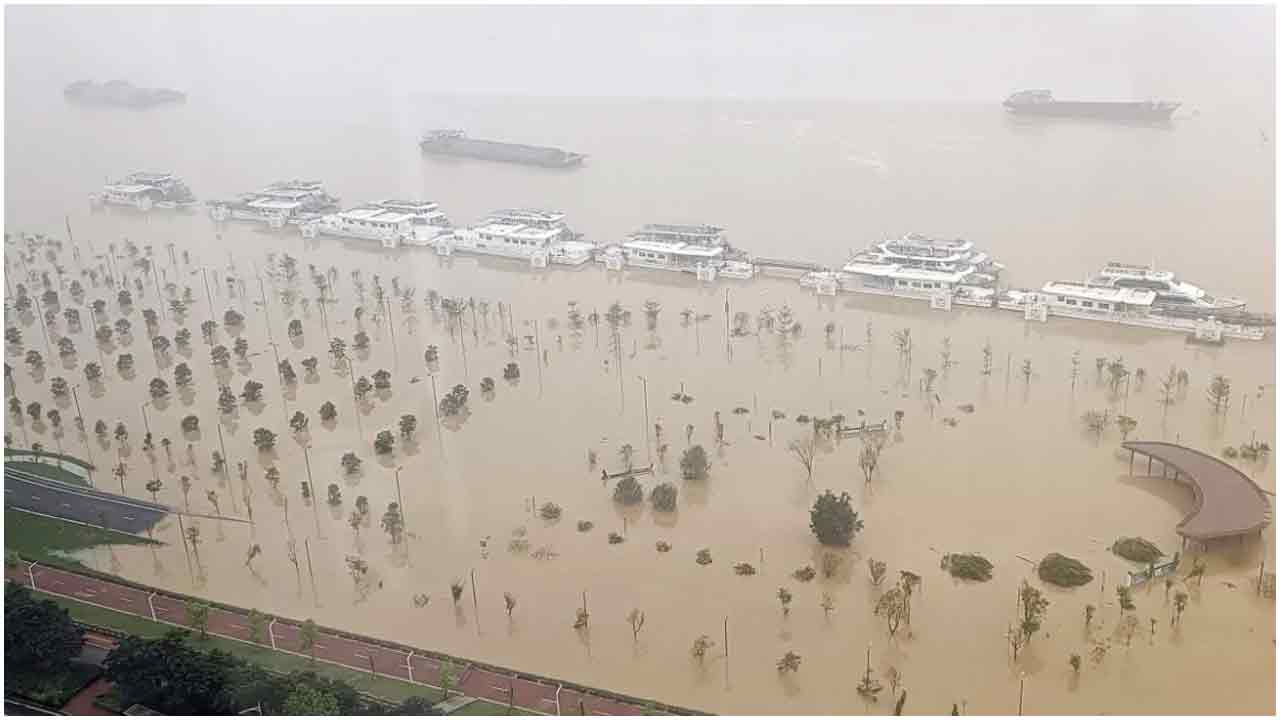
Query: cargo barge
[[456, 143]]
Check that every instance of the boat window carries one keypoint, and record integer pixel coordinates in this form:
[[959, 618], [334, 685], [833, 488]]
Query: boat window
[[1071, 301], [1086, 303], [1104, 306]]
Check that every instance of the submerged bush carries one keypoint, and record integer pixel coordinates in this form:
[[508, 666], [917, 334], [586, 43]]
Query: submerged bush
[[664, 497], [628, 491], [1137, 549], [1063, 571], [969, 566]]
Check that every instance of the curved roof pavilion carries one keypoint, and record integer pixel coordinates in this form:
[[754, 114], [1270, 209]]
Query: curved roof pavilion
[[1228, 502]]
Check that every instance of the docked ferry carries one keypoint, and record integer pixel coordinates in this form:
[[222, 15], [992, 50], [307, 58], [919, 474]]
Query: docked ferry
[[700, 249], [1170, 292], [539, 236], [912, 266], [290, 202], [390, 222], [146, 190]]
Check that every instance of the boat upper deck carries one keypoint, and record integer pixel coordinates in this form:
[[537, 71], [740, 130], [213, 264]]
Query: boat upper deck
[[128, 189], [1126, 296], [675, 248], [374, 215], [694, 234]]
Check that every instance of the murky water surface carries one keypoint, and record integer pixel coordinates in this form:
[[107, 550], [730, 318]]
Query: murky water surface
[[1014, 479]]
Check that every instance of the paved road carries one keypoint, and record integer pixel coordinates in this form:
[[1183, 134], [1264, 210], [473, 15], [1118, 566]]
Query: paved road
[[354, 654], [26, 491]]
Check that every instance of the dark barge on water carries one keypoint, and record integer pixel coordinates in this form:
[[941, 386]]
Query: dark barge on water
[[1042, 103], [457, 144]]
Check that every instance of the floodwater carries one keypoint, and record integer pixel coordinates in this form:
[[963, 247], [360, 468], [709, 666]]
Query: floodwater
[[1017, 478]]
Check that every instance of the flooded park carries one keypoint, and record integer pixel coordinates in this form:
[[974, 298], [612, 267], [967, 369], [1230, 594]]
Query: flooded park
[[832, 368], [510, 520]]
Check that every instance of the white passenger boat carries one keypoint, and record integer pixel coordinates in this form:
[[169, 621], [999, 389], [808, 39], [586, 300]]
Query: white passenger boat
[[1171, 292], [541, 237], [392, 223], [1123, 306], [699, 249], [291, 202], [916, 266], [146, 190]]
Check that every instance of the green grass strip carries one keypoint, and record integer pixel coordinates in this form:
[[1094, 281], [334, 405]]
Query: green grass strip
[[379, 686]]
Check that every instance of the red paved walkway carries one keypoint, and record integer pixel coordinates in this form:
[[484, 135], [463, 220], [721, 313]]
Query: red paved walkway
[[354, 654], [82, 703]]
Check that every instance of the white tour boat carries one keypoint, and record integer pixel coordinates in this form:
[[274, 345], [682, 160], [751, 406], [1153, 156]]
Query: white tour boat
[[1121, 305], [1171, 292], [291, 202], [539, 236], [914, 266], [146, 190], [699, 249], [390, 222]]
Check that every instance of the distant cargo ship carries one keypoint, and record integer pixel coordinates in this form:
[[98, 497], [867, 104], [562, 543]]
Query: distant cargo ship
[[456, 143], [119, 93], [1042, 102]]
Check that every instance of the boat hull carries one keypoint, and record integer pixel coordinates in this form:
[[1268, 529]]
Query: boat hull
[[490, 150], [1118, 111]]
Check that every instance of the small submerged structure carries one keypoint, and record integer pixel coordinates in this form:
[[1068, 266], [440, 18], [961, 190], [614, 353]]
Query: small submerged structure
[[144, 191], [289, 202], [120, 94], [392, 223], [540, 237]]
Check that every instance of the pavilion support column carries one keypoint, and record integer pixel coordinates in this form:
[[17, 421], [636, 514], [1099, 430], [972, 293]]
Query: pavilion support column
[[1131, 463], [1148, 466]]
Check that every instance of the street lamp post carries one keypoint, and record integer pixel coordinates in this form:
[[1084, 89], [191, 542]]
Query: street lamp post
[[645, 383], [355, 404], [284, 401], [226, 463], [145, 424], [306, 454], [44, 330], [1022, 680], [207, 294], [266, 310], [84, 433]]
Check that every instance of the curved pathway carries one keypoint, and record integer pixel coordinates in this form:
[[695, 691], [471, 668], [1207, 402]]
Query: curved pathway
[[539, 695], [1228, 502]]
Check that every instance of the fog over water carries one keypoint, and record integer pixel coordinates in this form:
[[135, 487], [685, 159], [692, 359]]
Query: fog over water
[[806, 133]]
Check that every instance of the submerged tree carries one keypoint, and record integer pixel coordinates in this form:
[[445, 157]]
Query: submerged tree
[[877, 570], [805, 452], [833, 519], [1219, 393], [694, 463], [393, 522], [1033, 605]]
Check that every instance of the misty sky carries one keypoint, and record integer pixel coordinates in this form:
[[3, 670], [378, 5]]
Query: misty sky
[[1196, 54]]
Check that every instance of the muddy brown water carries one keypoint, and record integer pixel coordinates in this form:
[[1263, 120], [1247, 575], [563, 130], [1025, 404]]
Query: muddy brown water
[[1015, 479]]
